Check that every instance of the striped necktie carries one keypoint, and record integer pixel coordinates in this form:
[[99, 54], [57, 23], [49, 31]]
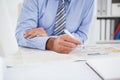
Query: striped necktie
[[60, 19]]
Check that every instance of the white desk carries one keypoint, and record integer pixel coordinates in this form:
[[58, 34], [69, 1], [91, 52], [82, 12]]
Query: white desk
[[60, 71], [32, 64], [47, 65]]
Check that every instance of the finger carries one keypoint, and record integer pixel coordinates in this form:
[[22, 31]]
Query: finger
[[43, 34], [36, 34], [64, 49], [67, 44], [32, 35], [70, 39], [28, 33], [73, 40]]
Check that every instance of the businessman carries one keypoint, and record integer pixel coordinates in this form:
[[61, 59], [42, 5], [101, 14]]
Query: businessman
[[41, 24]]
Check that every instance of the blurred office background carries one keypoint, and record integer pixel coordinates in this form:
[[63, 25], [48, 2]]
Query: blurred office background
[[106, 20], [106, 26]]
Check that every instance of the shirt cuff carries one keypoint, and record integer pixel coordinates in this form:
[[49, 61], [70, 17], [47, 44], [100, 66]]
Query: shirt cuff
[[37, 42]]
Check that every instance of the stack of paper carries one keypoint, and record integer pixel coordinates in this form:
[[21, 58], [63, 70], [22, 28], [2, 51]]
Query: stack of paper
[[95, 50], [106, 68]]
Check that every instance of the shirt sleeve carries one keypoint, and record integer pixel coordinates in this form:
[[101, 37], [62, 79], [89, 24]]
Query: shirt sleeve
[[28, 19], [87, 19]]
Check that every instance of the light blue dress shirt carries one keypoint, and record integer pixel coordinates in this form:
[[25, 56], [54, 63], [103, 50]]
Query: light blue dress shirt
[[42, 13]]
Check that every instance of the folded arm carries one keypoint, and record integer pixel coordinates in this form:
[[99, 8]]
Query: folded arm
[[27, 25]]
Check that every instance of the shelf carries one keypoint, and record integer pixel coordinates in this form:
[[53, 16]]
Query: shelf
[[108, 17], [109, 42]]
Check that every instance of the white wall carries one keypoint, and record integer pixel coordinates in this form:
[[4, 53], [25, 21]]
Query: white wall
[[8, 18], [13, 10]]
